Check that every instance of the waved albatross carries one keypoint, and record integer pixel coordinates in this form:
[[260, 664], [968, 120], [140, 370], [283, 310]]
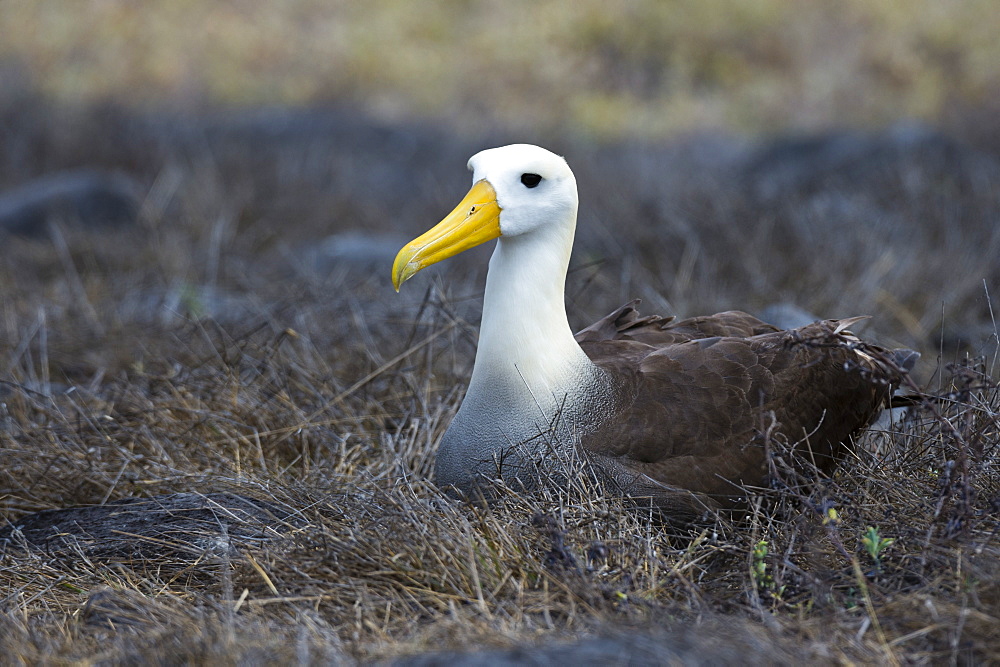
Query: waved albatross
[[681, 412]]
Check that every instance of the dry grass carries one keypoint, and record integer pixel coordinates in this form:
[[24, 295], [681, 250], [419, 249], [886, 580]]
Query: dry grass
[[200, 352]]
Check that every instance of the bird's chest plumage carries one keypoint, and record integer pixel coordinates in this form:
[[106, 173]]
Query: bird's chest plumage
[[507, 427]]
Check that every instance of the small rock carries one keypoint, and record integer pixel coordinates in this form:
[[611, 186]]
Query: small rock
[[84, 197], [355, 251]]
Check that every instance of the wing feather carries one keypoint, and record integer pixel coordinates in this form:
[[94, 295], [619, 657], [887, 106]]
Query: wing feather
[[697, 397]]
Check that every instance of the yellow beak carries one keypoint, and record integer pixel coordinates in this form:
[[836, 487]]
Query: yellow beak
[[474, 221]]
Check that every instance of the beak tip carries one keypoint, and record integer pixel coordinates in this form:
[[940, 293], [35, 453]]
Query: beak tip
[[399, 269]]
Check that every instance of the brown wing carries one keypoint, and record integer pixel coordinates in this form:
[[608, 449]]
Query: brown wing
[[626, 324], [695, 415]]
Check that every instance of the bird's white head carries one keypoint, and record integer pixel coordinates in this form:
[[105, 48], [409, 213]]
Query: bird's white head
[[534, 187], [517, 190]]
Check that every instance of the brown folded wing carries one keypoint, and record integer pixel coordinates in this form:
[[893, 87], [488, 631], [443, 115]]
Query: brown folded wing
[[702, 400]]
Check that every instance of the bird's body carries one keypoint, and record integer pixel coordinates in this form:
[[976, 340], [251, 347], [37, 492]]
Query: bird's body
[[682, 412]]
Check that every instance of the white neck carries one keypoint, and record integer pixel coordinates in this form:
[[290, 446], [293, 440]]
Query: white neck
[[530, 377], [525, 340]]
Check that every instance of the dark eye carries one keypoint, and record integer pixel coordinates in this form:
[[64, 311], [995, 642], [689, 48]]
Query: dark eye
[[530, 180]]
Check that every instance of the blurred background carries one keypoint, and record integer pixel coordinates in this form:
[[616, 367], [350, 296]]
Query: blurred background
[[837, 157], [609, 70]]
